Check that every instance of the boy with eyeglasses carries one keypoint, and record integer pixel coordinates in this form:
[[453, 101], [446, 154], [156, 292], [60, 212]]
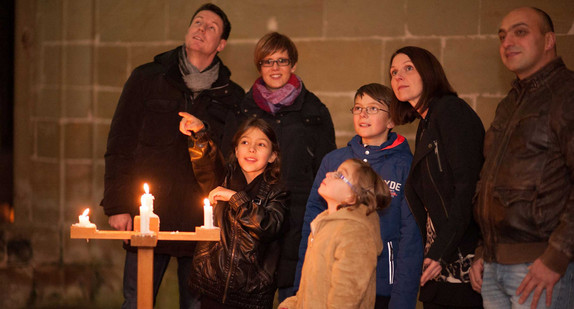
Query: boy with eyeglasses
[[399, 265]]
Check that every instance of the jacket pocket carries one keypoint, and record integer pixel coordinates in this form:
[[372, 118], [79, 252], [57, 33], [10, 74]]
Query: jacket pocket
[[160, 124]]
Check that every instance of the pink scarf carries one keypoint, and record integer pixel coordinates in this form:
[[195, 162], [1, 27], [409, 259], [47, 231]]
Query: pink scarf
[[272, 101]]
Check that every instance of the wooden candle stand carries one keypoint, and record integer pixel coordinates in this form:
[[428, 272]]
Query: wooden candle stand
[[145, 244]]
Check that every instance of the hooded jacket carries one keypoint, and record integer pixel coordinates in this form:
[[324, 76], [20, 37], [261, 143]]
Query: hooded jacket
[[399, 265], [145, 145], [340, 262]]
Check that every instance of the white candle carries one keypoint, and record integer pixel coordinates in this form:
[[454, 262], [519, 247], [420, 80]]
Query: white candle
[[207, 214], [144, 219], [84, 219], [147, 198]]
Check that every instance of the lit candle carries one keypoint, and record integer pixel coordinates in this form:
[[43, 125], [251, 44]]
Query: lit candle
[[144, 219], [207, 214], [147, 198], [84, 219]]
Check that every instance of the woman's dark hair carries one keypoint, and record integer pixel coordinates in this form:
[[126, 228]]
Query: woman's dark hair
[[370, 190], [274, 42], [435, 83], [215, 9], [380, 93], [272, 171]]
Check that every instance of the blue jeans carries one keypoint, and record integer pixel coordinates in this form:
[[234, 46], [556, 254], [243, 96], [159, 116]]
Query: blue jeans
[[187, 300], [500, 282]]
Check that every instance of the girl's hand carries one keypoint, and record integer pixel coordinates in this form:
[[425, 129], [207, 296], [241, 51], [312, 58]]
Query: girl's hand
[[220, 194], [189, 123], [431, 269]]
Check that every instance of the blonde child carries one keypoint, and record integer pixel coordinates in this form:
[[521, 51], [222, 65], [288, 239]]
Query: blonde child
[[341, 257]]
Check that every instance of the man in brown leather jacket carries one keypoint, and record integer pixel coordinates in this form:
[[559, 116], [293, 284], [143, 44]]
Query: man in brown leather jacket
[[525, 195]]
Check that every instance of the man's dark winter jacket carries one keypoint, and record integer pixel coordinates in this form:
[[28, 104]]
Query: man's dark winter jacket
[[305, 134], [525, 203], [145, 145]]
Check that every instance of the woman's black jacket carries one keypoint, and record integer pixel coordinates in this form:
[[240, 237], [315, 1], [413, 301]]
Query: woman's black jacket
[[443, 176], [240, 269]]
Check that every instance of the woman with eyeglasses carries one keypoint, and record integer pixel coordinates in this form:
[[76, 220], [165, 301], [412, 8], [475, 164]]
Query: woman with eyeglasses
[[399, 264], [304, 130], [442, 180]]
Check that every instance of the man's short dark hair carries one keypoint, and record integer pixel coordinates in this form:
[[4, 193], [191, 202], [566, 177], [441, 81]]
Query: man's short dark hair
[[547, 25], [217, 10]]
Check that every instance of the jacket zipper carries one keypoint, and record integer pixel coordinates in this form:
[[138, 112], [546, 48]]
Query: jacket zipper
[[435, 142], [230, 261], [436, 189], [391, 262]]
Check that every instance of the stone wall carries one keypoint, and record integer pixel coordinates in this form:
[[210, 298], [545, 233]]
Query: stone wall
[[73, 56]]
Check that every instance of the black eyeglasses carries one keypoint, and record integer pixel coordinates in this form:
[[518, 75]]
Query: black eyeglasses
[[357, 110], [282, 62]]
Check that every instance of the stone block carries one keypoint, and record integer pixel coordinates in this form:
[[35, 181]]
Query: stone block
[[78, 141], [339, 65], [253, 18], [48, 103], [129, 21], [424, 17], [47, 139], [51, 73], [78, 102], [45, 190], [339, 106], [141, 54], [16, 286], [433, 45], [64, 286], [19, 250], [180, 12], [409, 131], [364, 18], [486, 109], [78, 65], [106, 102], [78, 191], [47, 244], [79, 19], [493, 11], [101, 136], [110, 288], [473, 65], [239, 59], [50, 18], [112, 65], [565, 49]]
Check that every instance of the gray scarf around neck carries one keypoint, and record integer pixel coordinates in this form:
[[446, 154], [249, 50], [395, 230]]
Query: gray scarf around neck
[[195, 80]]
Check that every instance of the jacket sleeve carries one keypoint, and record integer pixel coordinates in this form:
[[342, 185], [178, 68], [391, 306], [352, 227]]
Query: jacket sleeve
[[354, 263], [119, 179], [409, 257], [315, 205], [560, 251], [262, 219], [461, 138], [207, 161]]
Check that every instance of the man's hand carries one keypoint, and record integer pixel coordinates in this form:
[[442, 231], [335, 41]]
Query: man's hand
[[476, 271], [121, 222], [431, 269], [538, 279], [189, 123]]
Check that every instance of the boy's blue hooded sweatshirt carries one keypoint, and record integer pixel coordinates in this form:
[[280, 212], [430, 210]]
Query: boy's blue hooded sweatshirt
[[399, 265]]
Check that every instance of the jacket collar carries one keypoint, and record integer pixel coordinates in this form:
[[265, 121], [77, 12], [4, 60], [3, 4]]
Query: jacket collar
[[537, 79]]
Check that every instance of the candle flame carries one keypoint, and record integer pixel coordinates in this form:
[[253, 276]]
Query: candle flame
[[146, 188], [86, 212], [206, 202]]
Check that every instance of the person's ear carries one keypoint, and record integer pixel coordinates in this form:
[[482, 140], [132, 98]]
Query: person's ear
[[549, 41], [293, 68], [273, 157], [221, 45]]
